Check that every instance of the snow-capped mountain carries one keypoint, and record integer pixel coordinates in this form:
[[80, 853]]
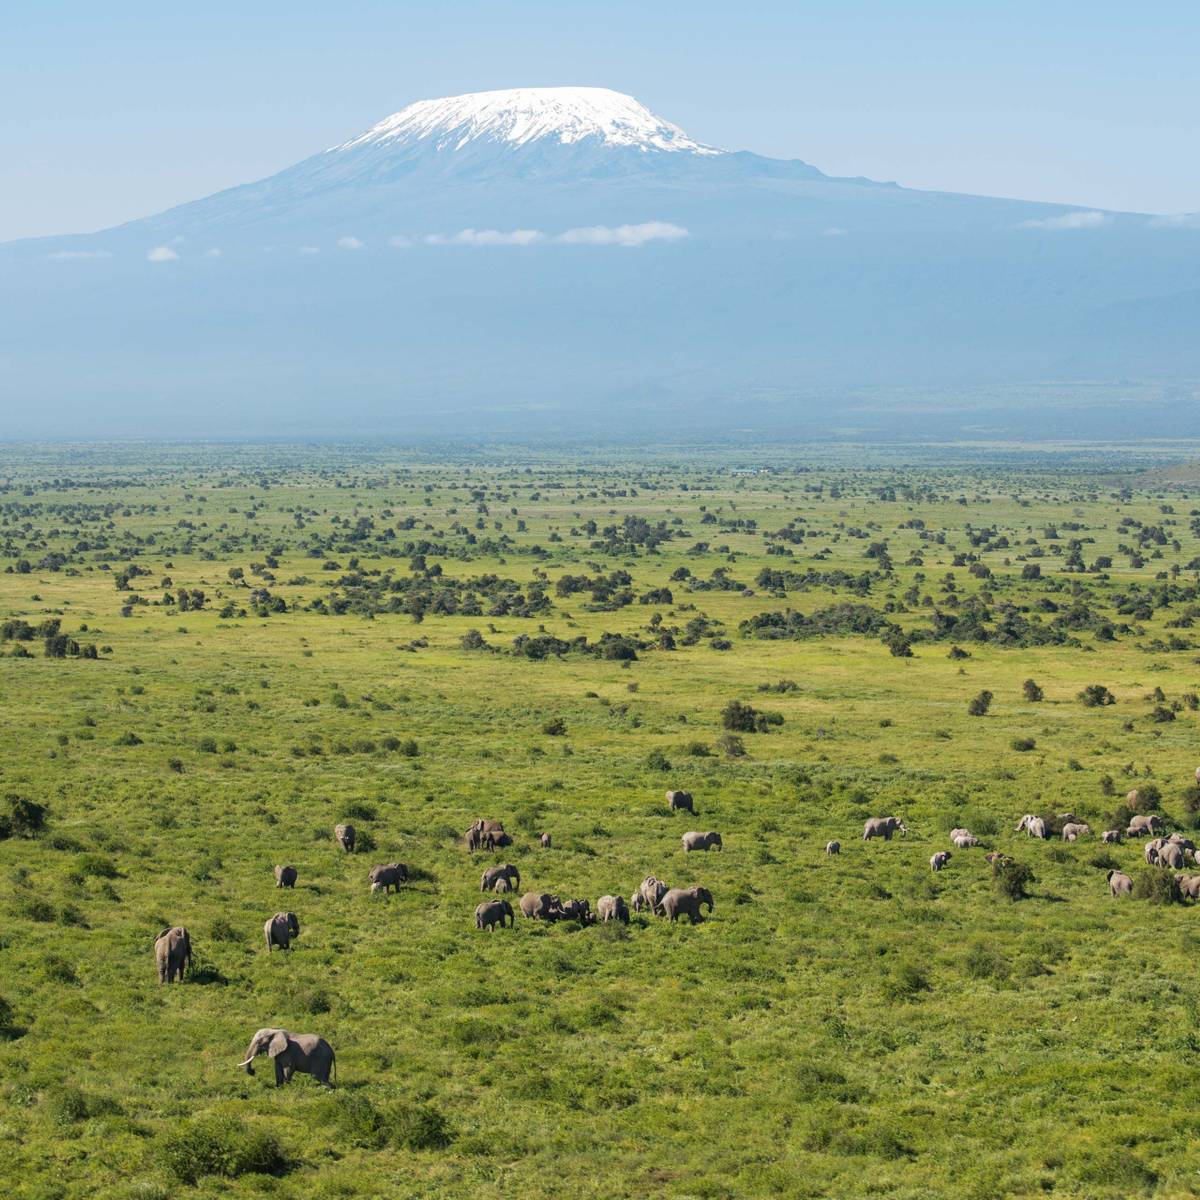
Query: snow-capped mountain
[[567, 251]]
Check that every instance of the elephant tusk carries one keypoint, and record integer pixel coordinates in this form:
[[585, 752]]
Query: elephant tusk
[[247, 1062]]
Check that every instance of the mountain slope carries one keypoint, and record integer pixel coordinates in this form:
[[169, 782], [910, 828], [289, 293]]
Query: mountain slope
[[563, 257]]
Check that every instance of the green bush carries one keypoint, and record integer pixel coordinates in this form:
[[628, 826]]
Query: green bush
[[1157, 886], [656, 760], [1011, 878], [986, 962], [21, 818], [906, 982], [221, 1146]]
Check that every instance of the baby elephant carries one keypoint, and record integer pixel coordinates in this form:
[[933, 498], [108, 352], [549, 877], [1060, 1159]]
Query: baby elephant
[[345, 836], [575, 910], [492, 913], [1111, 837], [291, 1052], [686, 900], [834, 847], [545, 841], [285, 877], [939, 860], [1189, 886], [280, 930], [612, 908], [1073, 830], [387, 876], [172, 953], [701, 841], [1119, 884]]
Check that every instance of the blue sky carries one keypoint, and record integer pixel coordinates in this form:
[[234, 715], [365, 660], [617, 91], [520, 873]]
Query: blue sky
[[109, 112]]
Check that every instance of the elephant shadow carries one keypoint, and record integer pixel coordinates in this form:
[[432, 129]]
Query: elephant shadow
[[207, 974]]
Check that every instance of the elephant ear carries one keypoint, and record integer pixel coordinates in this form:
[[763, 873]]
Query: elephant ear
[[278, 1044]]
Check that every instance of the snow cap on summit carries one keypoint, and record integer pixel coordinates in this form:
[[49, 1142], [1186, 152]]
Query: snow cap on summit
[[519, 116]]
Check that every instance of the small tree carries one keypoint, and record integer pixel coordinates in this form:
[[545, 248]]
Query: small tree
[[1096, 695], [1011, 878], [1032, 692], [979, 705]]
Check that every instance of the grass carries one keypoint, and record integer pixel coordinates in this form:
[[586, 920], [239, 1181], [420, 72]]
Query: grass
[[840, 1026]]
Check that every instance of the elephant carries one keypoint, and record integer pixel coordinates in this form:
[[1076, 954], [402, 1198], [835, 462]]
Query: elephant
[[1171, 855], [701, 841], [345, 836], [686, 900], [612, 908], [387, 875], [502, 885], [637, 902], [959, 833], [834, 847], [574, 910], [173, 954], [492, 913], [964, 841], [539, 906], [507, 872], [652, 890], [1119, 884], [1144, 823], [939, 860], [1073, 830], [1133, 798], [486, 827], [1198, 774], [285, 877], [474, 839], [496, 839], [680, 802], [545, 841], [1034, 826], [996, 856], [883, 827], [1151, 850], [280, 930], [1111, 837], [1182, 841], [303, 1052], [1189, 886]]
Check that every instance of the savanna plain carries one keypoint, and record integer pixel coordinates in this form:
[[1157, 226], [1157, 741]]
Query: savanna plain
[[212, 656]]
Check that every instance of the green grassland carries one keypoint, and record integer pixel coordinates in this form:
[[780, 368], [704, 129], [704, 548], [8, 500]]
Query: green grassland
[[840, 1027]]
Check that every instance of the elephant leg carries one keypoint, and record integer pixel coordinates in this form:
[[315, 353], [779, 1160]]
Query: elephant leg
[[279, 1075]]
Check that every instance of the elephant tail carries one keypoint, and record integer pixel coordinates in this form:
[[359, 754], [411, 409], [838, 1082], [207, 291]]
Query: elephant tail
[[333, 1064]]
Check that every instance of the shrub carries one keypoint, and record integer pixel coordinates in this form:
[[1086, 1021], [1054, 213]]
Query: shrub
[[99, 865], [1011, 878], [986, 962], [701, 750], [742, 718], [208, 745], [978, 706], [21, 818], [1158, 887], [656, 760], [1023, 745], [67, 1105], [555, 727], [8, 1021], [906, 982], [1032, 692], [221, 1146], [731, 746], [1095, 695]]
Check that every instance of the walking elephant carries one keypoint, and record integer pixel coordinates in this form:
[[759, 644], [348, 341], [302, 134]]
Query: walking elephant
[[686, 900], [883, 827], [1074, 830], [173, 954], [701, 841], [280, 930], [612, 908], [834, 847], [1142, 824], [285, 877], [1189, 886], [1034, 826], [652, 891], [545, 841], [1119, 884], [387, 876], [939, 860], [680, 802], [491, 913], [345, 836], [291, 1052]]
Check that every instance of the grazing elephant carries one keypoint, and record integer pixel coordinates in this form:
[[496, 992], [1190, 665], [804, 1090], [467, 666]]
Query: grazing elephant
[[508, 872], [1143, 824], [345, 836], [701, 841], [1034, 826], [883, 827], [285, 877], [303, 1052], [939, 860], [834, 847], [1074, 830], [496, 839], [964, 841], [1111, 837], [1151, 850], [173, 953], [959, 833], [637, 902], [486, 827], [280, 930], [502, 885], [387, 875], [474, 839], [1119, 884], [686, 900], [1170, 855], [1189, 886], [545, 841], [539, 906], [653, 889], [574, 910], [1182, 841], [492, 913], [612, 908], [680, 802]]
